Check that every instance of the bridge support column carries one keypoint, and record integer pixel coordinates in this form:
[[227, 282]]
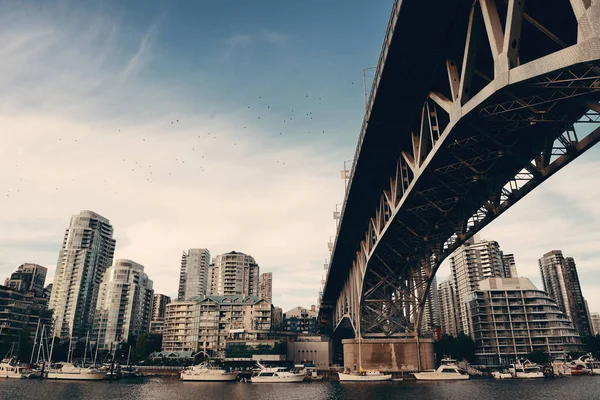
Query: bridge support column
[[390, 354]]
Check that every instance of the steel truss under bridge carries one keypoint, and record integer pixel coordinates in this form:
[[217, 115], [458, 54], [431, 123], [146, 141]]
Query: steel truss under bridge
[[510, 97]]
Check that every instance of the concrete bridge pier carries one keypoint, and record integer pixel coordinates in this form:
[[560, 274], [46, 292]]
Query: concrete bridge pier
[[390, 354]]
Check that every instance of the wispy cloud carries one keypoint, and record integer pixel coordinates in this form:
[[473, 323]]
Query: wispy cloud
[[258, 38], [83, 137]]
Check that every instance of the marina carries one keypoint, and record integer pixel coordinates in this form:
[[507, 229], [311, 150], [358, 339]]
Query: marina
[[155, 388]]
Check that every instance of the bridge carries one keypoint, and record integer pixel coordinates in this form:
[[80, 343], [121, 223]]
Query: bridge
[[474, 104]]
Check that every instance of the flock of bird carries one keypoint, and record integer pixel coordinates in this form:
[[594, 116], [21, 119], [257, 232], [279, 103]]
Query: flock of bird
[[295, 120]]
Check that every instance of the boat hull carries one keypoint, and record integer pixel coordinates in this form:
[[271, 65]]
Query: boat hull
[[434, 376], [77, 377], [230, 377], [277, 379], [363, 378]]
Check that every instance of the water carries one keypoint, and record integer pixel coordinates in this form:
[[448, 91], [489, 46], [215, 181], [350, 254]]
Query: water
[[584, 387]]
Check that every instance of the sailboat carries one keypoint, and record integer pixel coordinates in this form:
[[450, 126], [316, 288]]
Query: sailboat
[[69, 371], [362, 375], [129, 371]]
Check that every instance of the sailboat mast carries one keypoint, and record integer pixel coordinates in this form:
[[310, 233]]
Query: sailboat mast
[[128, 355], [37, 329], [51, 349], [87, 339], [69, 355]]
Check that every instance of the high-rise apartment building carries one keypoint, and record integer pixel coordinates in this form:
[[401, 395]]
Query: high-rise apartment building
[[233, 274], [87, 251], [124, 304], [28, 278], [510, 318], [432, 310], [509, 266], [561, 282], [193, 276], [449, 310], [471, 263], [266, 286], [159, 306], [595, 320], [206, 322]]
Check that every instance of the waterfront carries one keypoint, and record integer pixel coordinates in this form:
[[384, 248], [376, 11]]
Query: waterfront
[[162, 388]]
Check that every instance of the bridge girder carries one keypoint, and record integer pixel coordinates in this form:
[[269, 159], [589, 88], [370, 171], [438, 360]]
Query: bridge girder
[[471, 156]]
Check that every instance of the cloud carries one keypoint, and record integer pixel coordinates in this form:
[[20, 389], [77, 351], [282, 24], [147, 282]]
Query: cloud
[[238, 40], [83, 128]]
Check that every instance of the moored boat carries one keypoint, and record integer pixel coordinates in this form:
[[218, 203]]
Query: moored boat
[[69, 371], [525, 370], [207, 372], [448, 370], [9, 368], [364, 376], [275, 375], [501, 375]]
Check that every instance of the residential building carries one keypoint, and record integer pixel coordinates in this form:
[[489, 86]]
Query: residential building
[[206, 322], [28, 278], [193, 276], [21, 311], [87, 251], [448, 308], [234, 274], [23, 303], [277, 319], [561, 282], [509, 266], [300, 320], [159, 306], [266, 286], [431, 311], [510, 318], [124, 304], [472, 262], [595, 319]]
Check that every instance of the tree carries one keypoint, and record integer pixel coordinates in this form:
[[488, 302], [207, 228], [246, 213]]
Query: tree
[[25, 345], [538, 357], [461, 347]]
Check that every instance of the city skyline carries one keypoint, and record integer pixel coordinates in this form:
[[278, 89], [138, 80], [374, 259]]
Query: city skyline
[[47, 177]]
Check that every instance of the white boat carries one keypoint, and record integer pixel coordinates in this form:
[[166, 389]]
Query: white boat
[[10, 369], [447, 371], [501, 375], [562, 366], [275, 375], [525, 370], [364, 376], [206, 372], [71, 372], [589, 363]]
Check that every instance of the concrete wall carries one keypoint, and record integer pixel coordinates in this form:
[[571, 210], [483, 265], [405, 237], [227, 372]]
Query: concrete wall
[[317, 351], [389, 354]]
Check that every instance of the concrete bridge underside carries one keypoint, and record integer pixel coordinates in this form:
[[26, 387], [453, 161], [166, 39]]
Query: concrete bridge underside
[[474, 104]]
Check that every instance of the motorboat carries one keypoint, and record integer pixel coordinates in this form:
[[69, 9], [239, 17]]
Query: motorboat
[[501, 375], [275, 375], [364, 376], [70, 371], [9, 368], [207, 372], [525, 370], [588, 364], [448, 370], [309, 370], [561, 366], [130, 372]]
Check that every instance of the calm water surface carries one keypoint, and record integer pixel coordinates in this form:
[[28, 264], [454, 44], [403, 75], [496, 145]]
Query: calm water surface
[[584, 387]]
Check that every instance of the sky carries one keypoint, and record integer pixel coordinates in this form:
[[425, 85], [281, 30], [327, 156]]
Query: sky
[[220, 125]]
